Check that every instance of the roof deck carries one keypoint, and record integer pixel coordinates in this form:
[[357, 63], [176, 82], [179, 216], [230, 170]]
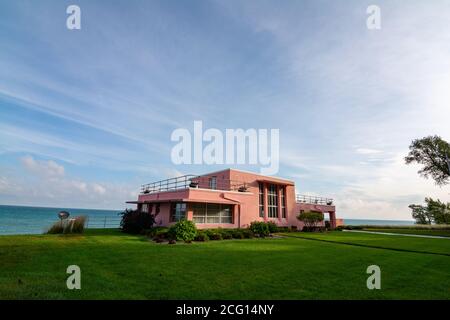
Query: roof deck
[[314, 200], [193, 182], [205, 182]]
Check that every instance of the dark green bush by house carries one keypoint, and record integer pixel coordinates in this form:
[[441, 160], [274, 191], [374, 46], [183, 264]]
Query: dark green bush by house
[[215, 236], [273, 228], [248, 234], [201, 236], [136, 222], [237, 234], [183, 230], [260, 228]]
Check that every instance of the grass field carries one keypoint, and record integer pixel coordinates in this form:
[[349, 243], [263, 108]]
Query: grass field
[[441, 233], [301, 266]]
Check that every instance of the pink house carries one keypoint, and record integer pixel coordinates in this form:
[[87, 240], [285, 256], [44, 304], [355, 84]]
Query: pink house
[[229, 199]]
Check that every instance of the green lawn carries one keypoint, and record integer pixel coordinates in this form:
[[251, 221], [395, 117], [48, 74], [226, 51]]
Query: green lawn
[[430, 232], [115, 265]]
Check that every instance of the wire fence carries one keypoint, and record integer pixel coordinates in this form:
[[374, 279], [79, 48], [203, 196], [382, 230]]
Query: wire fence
[[99, 222]]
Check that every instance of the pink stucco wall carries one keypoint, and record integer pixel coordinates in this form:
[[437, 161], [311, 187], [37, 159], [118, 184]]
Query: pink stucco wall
[[245, 204]]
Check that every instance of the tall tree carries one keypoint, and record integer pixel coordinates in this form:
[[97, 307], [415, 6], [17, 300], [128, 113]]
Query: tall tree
[[434, 154]]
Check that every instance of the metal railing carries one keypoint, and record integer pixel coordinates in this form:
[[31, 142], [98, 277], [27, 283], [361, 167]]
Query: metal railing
[[196, 182], [98, 222], [313, 200]]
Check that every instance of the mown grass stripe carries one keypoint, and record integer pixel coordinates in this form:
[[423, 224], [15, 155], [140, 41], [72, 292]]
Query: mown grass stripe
[[368, 246]]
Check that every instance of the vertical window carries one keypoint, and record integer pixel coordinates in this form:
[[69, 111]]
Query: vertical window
[[178, 212], [144, 207], [213, 183], [261, 199], [283, 202], [272, 201]]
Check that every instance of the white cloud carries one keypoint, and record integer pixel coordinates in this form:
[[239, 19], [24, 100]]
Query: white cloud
[[47, 184], [48, 168]]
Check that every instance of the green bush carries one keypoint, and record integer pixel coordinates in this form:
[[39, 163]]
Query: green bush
[[183, 230], [273, 228], [260, 228], [227, 235], [237, 234], [161, 234], [247, 233], [155, 230], [215, 236], [201, 236], [136, 222], [310, 219]]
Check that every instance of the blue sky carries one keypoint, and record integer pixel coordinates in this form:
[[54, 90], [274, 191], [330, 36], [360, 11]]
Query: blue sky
[[86, 115]]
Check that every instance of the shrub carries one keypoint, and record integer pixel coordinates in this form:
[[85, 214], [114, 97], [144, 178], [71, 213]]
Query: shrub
[[183, 230], [136, 222], [273, 228], [310, 219], [237, 234], [260, 228], [247, 233], [161, 235], [215, 236], [68, 226], [227, 235], [313, 229], [201, 236], [153, 232], [78, 224], [56, 228]]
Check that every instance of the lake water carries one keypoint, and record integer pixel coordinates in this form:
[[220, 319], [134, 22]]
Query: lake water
[[35, 220]]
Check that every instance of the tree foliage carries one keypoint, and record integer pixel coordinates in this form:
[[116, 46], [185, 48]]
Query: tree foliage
[[310, 218], [434, 211], [135, 222], [434, 154]]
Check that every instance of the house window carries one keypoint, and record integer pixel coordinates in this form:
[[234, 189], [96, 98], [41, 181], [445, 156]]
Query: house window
[[272, 201], [283, 202], [261, 199], [178, 211], [144, 208], [213, 183], [212, 213]]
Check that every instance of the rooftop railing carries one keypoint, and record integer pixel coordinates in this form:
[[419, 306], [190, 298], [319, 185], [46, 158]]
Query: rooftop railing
[[195, 182], [313, 200]]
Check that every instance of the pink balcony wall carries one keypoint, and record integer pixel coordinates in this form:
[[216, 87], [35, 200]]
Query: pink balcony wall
[[245, 204]]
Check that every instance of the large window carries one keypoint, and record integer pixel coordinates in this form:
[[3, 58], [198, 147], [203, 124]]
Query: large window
[[283, 202], [212, 213], [178, 211], [272, 201], [261, 199]]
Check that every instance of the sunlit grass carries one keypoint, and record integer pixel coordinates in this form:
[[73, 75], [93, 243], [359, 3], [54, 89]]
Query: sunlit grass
[[119, 266]]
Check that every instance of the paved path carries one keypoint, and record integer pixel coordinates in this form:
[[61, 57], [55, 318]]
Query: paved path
[[399, 234]]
